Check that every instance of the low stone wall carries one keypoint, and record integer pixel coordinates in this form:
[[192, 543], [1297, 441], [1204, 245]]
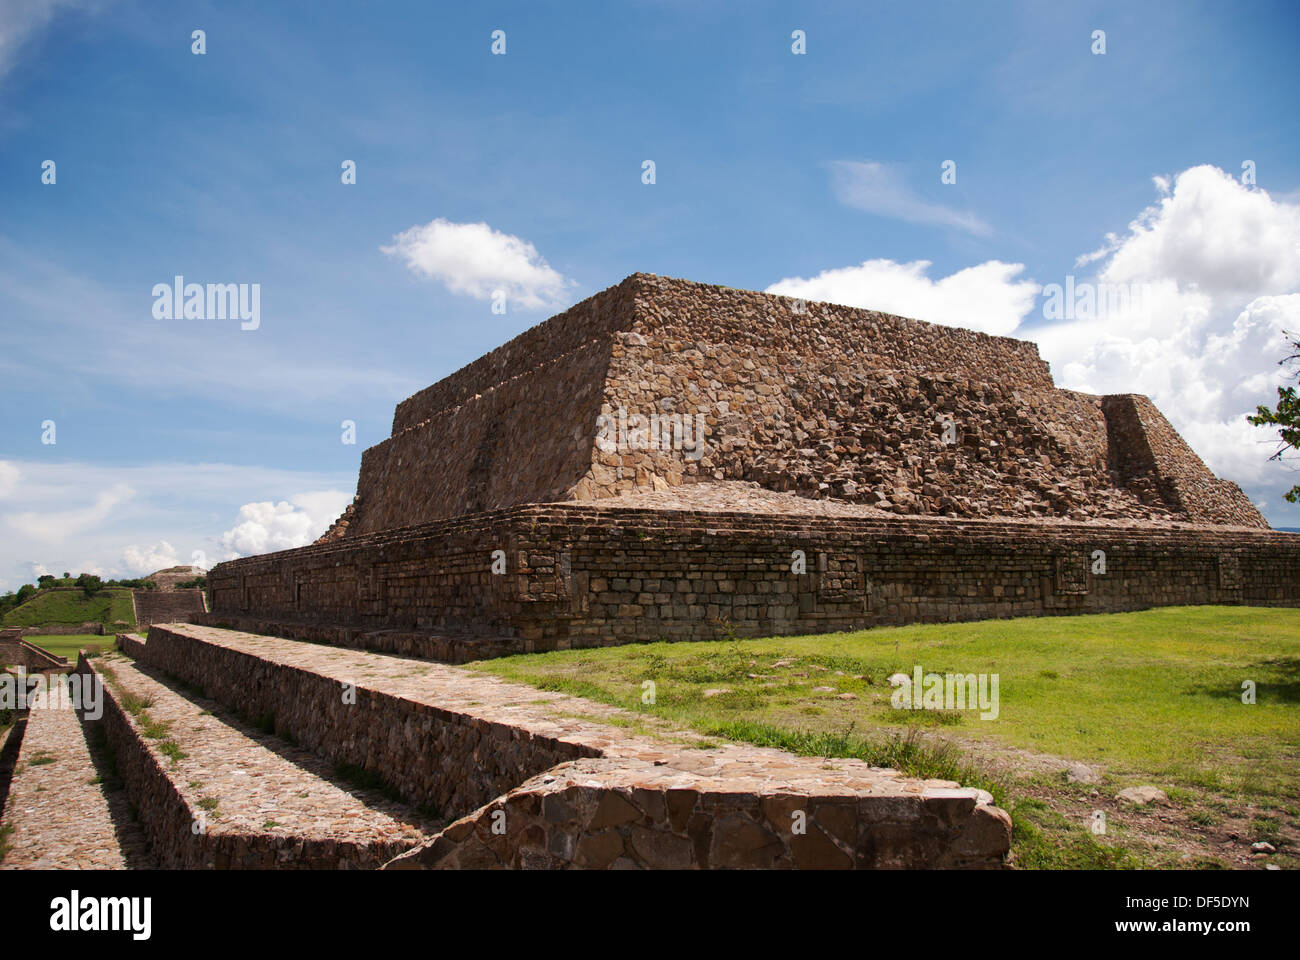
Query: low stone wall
[[132, 644], [64, 629], [14, 651], [454, 760], [602, 815], [167, 820], [587, 575], [559, 781], [175, 828]]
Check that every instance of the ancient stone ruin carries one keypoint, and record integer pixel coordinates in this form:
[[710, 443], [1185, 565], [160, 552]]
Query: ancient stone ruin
[[663, 460], [669, 459]]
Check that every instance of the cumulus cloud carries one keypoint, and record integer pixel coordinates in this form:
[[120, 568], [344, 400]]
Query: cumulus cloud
[[265, 526], [879, 189], [987, 297], [139, 561], [9, 475], [52, 526], [474, 260], [1220, 264]]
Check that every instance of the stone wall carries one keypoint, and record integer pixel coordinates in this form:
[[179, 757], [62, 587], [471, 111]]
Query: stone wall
[[558, 781], [818, 399], [586, 575], [525, 439], [165, 606], [17, 652], [64, 629], [628, 815], [453, 760]]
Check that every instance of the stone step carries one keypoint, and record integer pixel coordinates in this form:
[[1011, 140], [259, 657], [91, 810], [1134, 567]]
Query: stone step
[[61, 812], [213, 792], [538, 778]]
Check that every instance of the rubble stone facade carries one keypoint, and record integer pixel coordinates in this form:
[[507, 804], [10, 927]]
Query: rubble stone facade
[[822, 400]]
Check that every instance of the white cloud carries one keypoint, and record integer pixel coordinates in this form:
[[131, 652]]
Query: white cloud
[[1222, 266], [474, 260], [9, 475], [879, 189], [39, 570], [157, 557], [265, 526], [987, 297], [54, 526], [185, 505]]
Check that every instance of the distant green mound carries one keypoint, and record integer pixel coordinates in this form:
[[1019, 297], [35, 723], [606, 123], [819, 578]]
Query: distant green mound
[[109, 605]]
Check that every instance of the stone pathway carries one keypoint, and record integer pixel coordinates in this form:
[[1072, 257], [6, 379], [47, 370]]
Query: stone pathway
[[58, 807], [242, 783]]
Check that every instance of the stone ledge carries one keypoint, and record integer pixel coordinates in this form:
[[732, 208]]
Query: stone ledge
[[630, 814], [271, 811], [472, 744]]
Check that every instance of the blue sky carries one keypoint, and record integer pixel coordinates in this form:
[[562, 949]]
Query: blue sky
[[772, 170]]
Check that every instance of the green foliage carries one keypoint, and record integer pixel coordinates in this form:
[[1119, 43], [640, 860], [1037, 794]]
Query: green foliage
[[109, 605], [89, 584], [1286, 418]]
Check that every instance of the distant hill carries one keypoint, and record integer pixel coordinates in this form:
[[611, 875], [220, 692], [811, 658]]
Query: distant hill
[[70, 606]]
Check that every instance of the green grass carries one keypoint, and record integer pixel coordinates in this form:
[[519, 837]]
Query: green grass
[[109, 605], [67, 644], [1149, 697], [1155, 694], [138, 707]]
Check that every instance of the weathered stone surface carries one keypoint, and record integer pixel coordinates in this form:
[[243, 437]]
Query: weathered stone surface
[[738, 821], [827, 401], [606, 572], [566, 775], [220, 797], [58, 806]]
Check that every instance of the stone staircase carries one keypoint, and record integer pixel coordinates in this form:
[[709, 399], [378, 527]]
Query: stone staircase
[[240, 750]]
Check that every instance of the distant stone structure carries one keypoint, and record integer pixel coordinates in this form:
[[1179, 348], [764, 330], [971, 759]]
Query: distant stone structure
[[168, 601], [670, 459], [17, 652]]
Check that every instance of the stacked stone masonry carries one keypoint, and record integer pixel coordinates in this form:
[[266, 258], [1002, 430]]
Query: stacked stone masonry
[[162, 606], [215, 795], [597, 573], [557, 782], [818, 399]]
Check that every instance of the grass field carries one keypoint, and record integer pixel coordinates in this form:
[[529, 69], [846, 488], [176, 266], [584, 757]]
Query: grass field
[[1145, 698], [109, 605], [67, 644]]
